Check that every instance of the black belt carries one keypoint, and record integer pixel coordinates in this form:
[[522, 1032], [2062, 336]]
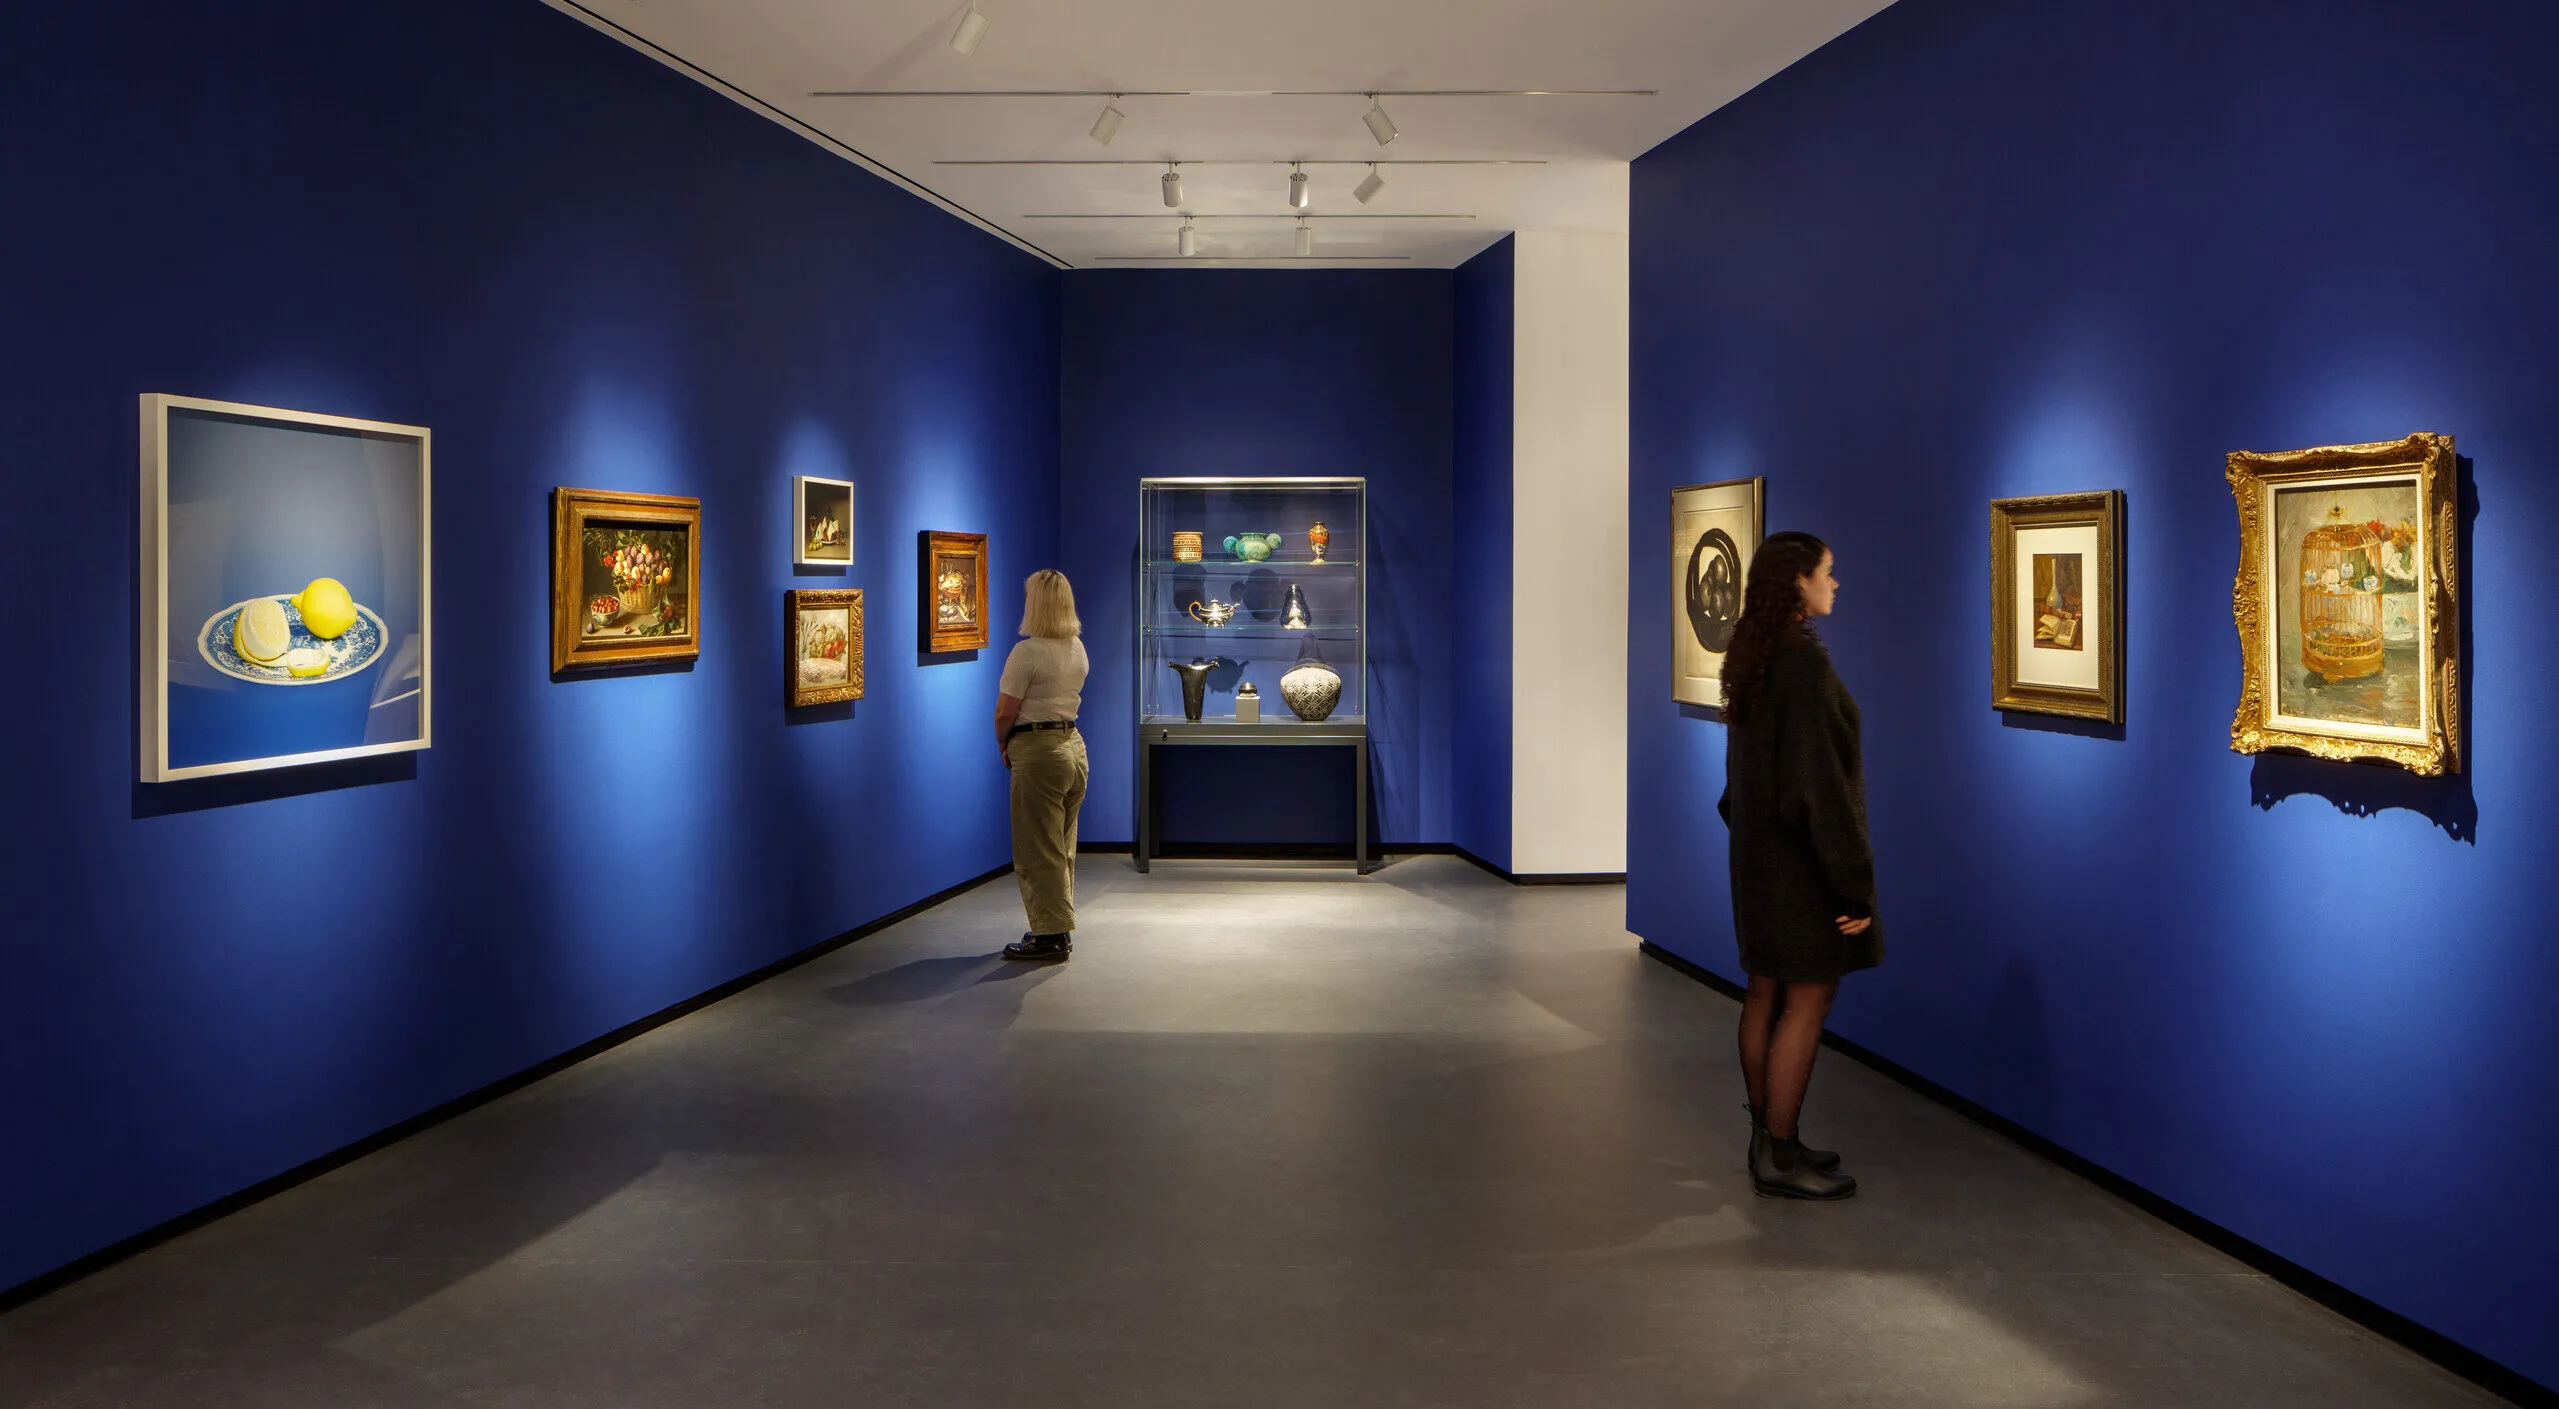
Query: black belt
[[1043, 724]]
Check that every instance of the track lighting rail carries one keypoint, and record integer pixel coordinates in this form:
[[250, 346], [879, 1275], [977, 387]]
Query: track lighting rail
[[1246, 161], [1279, 215], [1235, 93]]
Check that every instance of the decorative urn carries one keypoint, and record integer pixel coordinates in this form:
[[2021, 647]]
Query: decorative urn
[[1311, 689], [1317, 537]]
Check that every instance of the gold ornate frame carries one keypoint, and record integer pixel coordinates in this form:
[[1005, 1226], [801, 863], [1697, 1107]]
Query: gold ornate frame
[[2254, 476], [571, 511], [1757, 488], [801, 599], [2099, 509], [930, 545]]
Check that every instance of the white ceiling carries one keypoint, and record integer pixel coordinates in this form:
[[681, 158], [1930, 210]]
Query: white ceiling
[[1699, 54]]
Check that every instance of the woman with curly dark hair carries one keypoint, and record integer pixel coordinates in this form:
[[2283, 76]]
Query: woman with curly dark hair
[[1803, 870]]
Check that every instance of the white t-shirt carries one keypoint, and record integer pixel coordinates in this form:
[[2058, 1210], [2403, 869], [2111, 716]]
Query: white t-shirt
[[1046, 673]]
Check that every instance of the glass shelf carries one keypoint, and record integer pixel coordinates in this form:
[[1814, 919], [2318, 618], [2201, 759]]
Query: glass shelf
[[1312, 633], [1233, 564]]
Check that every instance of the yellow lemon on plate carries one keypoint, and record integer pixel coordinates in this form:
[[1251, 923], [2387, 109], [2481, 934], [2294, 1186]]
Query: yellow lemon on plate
[[306, 662], [262, 633], [327, 608]]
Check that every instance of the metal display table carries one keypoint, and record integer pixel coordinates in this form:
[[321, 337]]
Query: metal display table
[[1155, 734]]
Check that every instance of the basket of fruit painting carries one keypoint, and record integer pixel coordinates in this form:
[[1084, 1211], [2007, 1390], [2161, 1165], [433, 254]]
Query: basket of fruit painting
[[627, 566]]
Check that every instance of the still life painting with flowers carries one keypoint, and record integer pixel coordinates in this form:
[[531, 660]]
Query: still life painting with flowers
[[626, 570]]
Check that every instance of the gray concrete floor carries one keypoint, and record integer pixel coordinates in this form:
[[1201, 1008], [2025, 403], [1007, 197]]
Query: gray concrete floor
[[1275, 1136]]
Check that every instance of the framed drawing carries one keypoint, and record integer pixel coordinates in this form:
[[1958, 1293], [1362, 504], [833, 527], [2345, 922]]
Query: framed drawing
[[954, 594], [822, 638], [1714, 530], [2057, 605], [284, 588], [2349, 622], [823, 511], [626, 573]]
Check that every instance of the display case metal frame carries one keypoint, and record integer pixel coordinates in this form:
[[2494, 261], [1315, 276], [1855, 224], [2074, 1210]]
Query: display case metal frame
[[1157, 732]]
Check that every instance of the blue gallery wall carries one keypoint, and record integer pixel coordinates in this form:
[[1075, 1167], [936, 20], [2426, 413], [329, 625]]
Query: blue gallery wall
[[1981, 248], [1479, 784], [1255, 372], [578, 268]]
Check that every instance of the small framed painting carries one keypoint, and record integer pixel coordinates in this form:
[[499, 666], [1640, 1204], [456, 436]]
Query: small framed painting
[[2057, 605], [823, 511], [626, 575], [1714, 531], [2346, 602], [284, 588], [954, 594], [822, 637]]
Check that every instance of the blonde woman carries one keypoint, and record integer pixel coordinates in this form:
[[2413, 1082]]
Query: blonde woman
[[1035, 730]]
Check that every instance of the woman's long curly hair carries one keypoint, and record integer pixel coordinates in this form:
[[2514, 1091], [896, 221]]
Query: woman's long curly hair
[[1772, 610]]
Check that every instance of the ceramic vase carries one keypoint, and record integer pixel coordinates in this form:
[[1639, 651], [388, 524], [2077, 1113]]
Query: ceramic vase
[[1186, 545], [1317, 537], [1311, 689]]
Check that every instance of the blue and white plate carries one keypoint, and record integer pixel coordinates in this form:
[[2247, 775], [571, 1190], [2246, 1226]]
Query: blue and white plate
[[359, 646]]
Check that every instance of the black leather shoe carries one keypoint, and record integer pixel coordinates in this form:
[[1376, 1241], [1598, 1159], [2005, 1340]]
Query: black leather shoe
[[1827, 1161], [1781, 1173], [1040, 946]]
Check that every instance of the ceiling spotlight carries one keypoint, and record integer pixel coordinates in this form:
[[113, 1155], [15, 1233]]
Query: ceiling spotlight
[[1186, 243], [1380, 126], [1107, 126], [1368, 188], [973, 28], [1305, 238], [1172, 186], [1297, 197]]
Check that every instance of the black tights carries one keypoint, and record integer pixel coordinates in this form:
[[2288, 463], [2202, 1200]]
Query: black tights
[[1781, 1034]]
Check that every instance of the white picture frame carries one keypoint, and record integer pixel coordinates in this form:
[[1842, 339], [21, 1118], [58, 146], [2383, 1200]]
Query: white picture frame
[[200, 708], [814, 498]]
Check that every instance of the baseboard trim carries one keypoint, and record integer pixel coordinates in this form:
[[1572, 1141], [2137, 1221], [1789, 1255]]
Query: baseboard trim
[[1517, 878], [2452, 1355], [44, 1283]]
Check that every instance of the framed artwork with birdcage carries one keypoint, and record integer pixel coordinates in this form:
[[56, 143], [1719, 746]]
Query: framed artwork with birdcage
[[2347, 602]]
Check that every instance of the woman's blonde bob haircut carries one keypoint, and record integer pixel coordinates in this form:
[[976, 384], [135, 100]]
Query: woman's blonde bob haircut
[[1048, 605]]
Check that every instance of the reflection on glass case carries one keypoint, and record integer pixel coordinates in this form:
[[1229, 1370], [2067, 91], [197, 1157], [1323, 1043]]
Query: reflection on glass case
[[1253, 581]]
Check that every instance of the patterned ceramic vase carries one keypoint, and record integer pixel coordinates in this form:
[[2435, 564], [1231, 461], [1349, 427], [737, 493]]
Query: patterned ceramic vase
[[1317, 537], [1186, 545], [1312, 688]]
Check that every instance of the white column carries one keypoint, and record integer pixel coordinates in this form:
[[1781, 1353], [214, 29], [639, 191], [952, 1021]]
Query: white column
[[1568, 553]]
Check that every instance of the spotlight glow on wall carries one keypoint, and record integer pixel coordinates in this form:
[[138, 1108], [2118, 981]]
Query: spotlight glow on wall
[[1172, 188], [1305, 238], [1368, 188], [1107, 126], [1297, 190], [1380, 126], [972, 29], [1186, 243]]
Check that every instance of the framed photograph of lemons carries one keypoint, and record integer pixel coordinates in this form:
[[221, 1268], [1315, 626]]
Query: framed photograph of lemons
[[284, 592]]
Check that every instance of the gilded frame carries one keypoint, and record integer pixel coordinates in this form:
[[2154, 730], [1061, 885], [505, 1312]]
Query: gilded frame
[[802, 599], [932, 547], [2103, 511], [2427, 459], [573, 645], [1706, 691]]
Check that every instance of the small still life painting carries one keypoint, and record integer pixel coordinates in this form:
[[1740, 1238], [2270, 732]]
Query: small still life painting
[[626, 575], [822, 509], [954, 595], [822, 634], [1714, 531], [2056, 605], [2346, 602], [284, 588]]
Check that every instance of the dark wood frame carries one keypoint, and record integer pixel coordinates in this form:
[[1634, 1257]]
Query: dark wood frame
[[801, 599], [2102, 509], [936, 639], [571, 511]]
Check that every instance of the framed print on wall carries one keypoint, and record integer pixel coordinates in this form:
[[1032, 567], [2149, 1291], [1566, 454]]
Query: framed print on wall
[[823, 511], [626, 575], [2057, 605], [954, 595], [822, 639], [284, 584], [1714, 531], [2347, 602]]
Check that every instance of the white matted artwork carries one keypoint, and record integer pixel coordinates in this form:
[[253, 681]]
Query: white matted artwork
[[1714, 532], [284, 588], [2056, 576], [822, 519]]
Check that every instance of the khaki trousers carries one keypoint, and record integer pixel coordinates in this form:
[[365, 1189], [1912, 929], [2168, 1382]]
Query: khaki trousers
[[1049, 771]]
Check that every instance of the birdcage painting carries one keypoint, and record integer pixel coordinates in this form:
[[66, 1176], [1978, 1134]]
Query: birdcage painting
[[2341, 627]]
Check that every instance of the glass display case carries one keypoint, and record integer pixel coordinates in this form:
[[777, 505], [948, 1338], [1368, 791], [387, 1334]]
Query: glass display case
[[1252, 622]]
